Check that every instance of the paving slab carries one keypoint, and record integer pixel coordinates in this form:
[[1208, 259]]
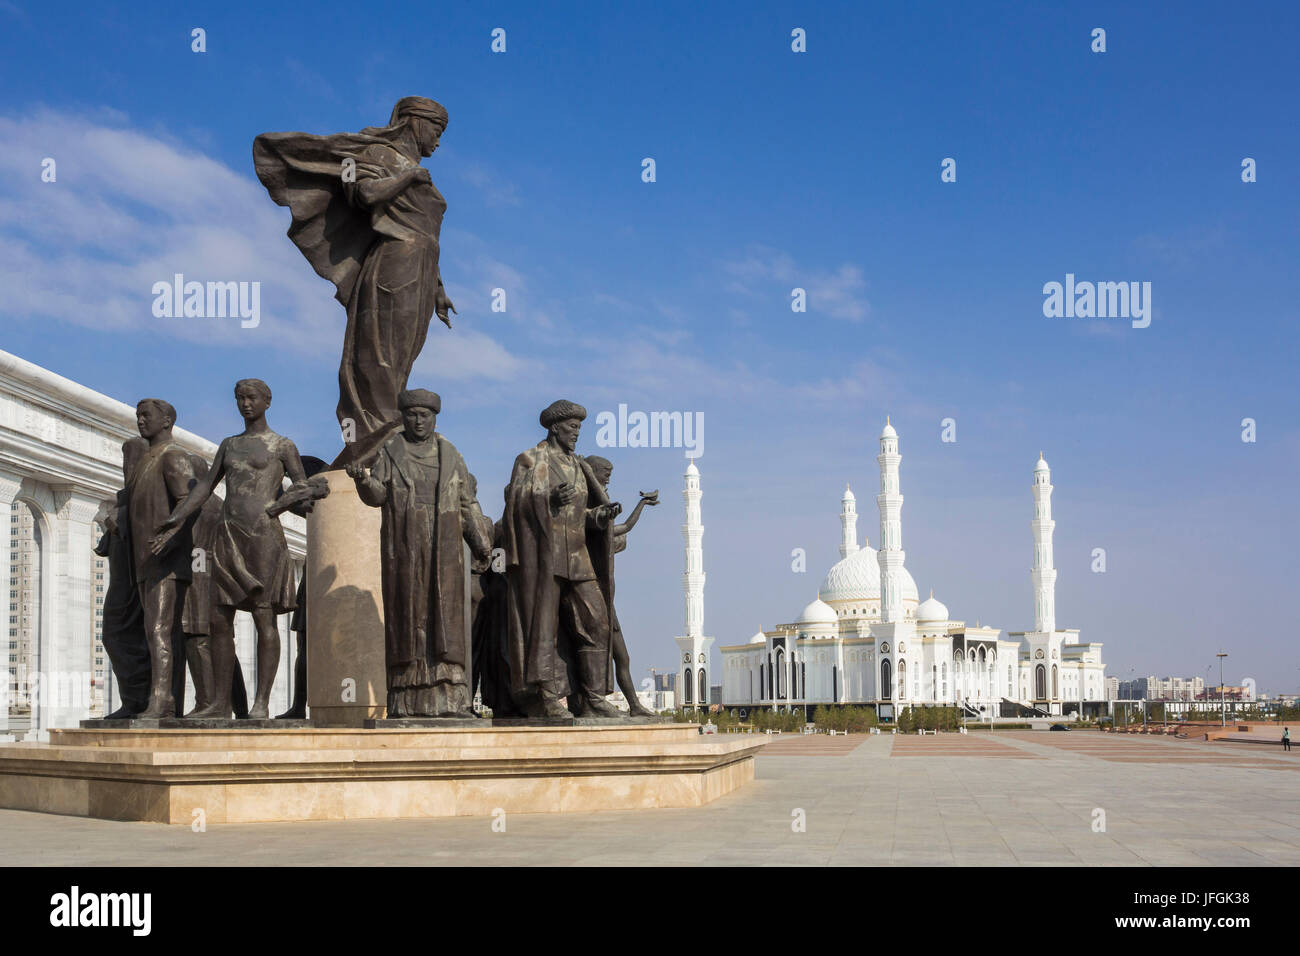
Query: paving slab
[[1166, 803]]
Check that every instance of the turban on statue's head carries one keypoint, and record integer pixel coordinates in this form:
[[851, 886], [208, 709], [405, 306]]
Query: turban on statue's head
[[560, 411], [419, 106], [419, 398]]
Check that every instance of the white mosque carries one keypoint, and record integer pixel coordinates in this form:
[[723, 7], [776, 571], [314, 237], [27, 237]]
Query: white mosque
[[868, 639]]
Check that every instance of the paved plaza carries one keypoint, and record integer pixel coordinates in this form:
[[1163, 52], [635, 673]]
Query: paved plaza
[[1006, 799]]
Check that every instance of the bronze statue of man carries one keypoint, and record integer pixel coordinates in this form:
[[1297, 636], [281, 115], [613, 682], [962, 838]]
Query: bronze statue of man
[[251, 569], [162, 478], [558, 526], [491, 661], [123, 623], [604, 471], [368, 218], [298, 623], [429, 509]]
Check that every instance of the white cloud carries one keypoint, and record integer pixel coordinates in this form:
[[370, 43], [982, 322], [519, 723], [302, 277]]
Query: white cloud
[[129, 209], [838, 292], [496, 191]]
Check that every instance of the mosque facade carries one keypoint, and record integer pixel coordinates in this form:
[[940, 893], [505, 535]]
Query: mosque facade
[[868, 639]]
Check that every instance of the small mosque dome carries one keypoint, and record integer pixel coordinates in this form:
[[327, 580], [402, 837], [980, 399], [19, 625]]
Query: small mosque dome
[[817, 612], [931, 610]]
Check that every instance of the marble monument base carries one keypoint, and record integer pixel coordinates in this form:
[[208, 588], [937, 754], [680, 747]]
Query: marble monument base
[[425, 723], [249, 775], [193, 723], [624, 721]]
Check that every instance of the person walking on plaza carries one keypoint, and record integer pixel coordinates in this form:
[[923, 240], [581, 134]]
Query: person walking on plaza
[[1286, 738]]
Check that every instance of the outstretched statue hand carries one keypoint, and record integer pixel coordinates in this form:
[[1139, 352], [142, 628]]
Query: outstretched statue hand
[[356, 471]]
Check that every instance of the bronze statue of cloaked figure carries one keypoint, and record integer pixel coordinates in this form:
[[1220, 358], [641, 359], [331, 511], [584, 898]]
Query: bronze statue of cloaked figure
[[491, 660], [558, 530], [420, 481], [298, 623], [603, 468], [123, 623], [368, 218], [251, 568]]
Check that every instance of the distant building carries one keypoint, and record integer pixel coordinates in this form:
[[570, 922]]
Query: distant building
[[1227, 692], [1162, 688], [867, 638], [662, 695]]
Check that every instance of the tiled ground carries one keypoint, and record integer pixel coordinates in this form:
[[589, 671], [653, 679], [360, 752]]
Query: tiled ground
[[1016, 798], [813, 745], [958, 745]]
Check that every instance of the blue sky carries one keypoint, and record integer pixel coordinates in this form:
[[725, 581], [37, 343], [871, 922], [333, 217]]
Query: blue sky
[[774, 170]]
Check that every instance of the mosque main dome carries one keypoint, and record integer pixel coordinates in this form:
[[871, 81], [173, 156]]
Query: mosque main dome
[[857, 578]]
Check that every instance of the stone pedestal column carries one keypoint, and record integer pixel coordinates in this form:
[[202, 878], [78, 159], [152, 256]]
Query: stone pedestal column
[[346, 680], [67, 659]]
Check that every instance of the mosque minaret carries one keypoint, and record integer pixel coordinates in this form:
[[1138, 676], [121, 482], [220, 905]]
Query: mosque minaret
[[867, 639], [693, 671], [890, 502], [1044, 573], [848, 523]]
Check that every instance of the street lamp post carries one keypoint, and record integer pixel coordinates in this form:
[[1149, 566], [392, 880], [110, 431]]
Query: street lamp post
[[1223, 708]]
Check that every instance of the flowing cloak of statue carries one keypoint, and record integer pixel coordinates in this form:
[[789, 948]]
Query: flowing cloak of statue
[[536, 647], [491, 663], [123, 629], [382, 259], [425, 577]]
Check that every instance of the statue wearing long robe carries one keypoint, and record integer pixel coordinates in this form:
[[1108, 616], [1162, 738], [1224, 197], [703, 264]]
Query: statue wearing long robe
[[424, 490], [381, 254], [559, 587]]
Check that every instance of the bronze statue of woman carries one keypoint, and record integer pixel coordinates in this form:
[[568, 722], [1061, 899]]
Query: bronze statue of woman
[[603, 469], [251, 569], [368, 218]]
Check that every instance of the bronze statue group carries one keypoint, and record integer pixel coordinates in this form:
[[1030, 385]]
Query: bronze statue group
[[182, 561], [539, 639]]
